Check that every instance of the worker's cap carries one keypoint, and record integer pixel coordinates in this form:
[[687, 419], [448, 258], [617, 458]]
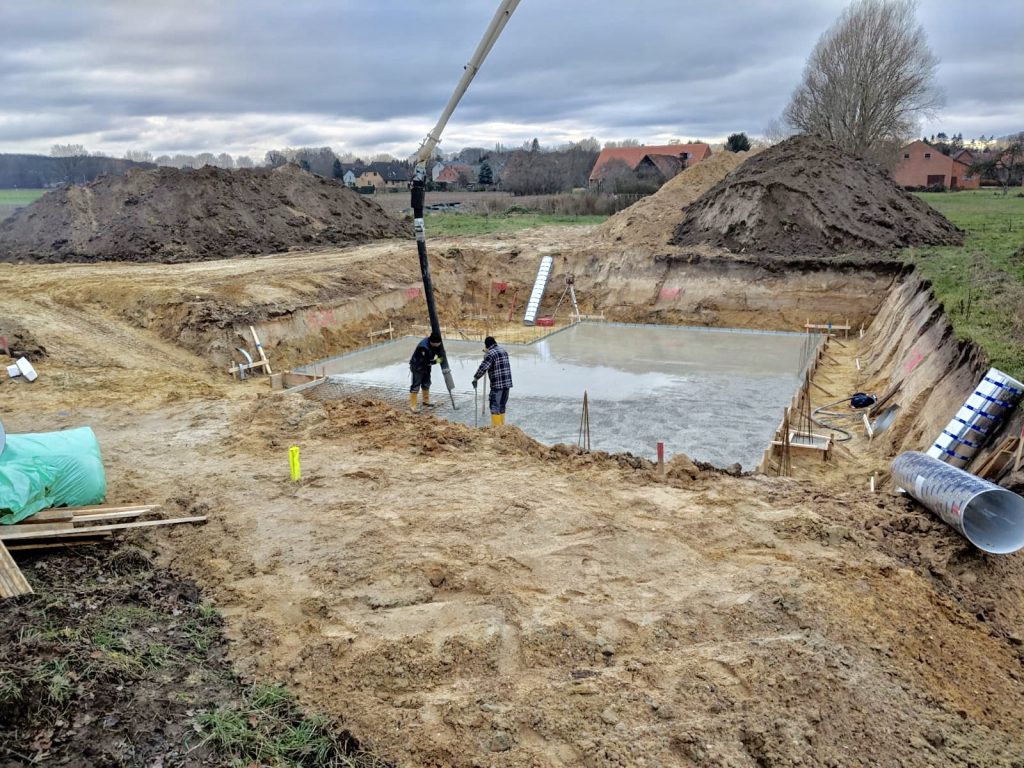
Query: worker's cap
[[435, 339], [489, 342]]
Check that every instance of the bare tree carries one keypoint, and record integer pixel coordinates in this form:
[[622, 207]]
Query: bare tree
[[1005, 164], [70, 160], [139, 156], [868, 79], [68, 150], [244, 161]]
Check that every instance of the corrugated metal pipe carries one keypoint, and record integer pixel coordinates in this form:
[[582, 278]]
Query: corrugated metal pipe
[[990, 517], [996, 395]]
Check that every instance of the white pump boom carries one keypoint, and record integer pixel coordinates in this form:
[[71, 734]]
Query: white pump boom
[[501, 17]]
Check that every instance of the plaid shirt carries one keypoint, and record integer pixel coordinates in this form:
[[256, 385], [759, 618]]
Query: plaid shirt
[[496, 362]]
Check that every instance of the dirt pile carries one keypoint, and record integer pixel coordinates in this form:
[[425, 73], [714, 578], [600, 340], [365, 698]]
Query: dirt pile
[[807, 197], [171, 215], [652, 220]]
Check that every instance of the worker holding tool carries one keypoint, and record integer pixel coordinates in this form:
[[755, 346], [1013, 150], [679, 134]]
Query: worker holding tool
[[495, 364], [427, 353]]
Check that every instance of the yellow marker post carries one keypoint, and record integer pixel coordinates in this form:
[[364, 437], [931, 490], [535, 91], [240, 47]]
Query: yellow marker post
[[293, 462]]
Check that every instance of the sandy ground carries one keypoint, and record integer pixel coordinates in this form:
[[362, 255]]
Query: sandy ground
[[471, 598]]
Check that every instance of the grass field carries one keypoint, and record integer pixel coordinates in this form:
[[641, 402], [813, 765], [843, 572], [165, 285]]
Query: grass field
[[981, 283], [483, 224], [20, 196]]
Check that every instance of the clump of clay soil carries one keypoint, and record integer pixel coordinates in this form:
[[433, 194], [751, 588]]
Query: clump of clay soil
[[171, 215], [18, 341], [808, 197], [651, 221]]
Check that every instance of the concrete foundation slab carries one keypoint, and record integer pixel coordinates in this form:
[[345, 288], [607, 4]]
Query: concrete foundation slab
[[715, 394]]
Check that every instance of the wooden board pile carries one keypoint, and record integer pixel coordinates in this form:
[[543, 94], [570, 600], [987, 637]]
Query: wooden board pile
[[69, 526]]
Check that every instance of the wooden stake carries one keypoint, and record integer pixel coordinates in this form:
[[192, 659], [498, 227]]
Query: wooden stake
[[1020, 448]]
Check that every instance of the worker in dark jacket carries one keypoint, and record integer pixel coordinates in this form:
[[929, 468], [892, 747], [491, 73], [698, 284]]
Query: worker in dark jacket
[[423, 357], [495, 364]]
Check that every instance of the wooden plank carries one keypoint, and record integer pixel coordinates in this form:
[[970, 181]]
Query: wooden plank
[[12, 581], [13, 532], [94, 516], [818, 386], [19, 546], [893, 390], [108, 508], [38, 527], [1020, 450], [48, 516], [86, 530]]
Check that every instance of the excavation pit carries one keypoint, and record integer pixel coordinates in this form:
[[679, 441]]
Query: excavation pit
[[715, 394]]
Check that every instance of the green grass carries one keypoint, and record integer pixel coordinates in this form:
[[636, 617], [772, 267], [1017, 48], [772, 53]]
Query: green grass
[[981, 283], [267, 728], [20, 196], [485, 224]]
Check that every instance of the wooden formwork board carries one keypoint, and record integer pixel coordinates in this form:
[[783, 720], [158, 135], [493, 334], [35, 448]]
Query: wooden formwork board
[[12, 580]]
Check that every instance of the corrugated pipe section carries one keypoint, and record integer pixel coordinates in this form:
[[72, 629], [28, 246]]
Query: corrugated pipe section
[[996, 395], [990, 517]]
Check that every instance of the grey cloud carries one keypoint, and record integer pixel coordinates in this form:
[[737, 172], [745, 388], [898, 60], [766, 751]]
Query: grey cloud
[[614, 69]]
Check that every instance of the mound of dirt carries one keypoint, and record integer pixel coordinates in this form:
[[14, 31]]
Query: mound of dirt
[[652, 220], [171, 215], [807, 197], [18, 341]]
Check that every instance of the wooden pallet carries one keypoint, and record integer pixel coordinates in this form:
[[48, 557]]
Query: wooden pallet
[[71, 526]]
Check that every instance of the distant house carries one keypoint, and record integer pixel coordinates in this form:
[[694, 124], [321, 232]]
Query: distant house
[[370, 178], [966, 156], [396, 175], [349, 178], [922, 166], [685, 154], [455, 175], [659, 167]]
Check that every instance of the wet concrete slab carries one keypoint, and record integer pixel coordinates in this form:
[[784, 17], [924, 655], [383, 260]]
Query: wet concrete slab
[[715, 394]]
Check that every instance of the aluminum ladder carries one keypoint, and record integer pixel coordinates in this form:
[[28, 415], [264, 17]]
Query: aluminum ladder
[[533, 305]]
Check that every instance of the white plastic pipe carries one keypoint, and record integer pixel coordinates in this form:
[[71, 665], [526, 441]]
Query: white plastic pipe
[[990, 517]]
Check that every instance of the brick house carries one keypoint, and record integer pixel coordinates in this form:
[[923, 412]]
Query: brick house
[[923, 166], [686, 154]]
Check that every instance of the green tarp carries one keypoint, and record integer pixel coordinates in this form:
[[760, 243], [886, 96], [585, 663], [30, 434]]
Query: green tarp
[[50, 469]]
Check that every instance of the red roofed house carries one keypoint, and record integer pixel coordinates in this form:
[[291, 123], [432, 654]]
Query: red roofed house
[[633, 156], [923, 166]]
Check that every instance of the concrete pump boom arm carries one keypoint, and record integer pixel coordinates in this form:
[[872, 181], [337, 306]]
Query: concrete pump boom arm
[[501, 17]]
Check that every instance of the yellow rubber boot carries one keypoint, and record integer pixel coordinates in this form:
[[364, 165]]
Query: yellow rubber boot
[[426, 398], [495, 419], [412, 401], [501, 419]]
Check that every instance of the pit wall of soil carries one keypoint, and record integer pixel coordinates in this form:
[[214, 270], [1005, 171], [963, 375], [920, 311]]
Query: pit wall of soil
[[913, 344], [693, 289], [475, 290]]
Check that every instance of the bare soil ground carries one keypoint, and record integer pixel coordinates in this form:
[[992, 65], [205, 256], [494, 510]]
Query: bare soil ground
[[171, 215], [469, 598], [806, 196], [651, 222]]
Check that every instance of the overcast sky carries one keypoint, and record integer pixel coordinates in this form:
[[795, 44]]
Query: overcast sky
[[245, 76]]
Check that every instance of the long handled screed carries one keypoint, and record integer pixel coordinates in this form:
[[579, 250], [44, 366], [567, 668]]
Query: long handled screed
[[419, 179]]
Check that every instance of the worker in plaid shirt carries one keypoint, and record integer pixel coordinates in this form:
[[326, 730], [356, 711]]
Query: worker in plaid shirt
[[495, 363]]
